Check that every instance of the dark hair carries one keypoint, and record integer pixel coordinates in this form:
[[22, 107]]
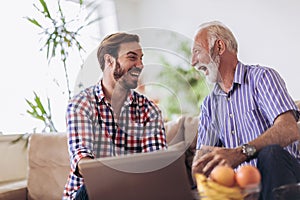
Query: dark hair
[[111, 44]]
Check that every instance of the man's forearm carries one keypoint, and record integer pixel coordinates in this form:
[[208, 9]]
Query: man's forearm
[[283, 132]]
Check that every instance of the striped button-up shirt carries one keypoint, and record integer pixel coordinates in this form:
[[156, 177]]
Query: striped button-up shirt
[[258, 95], [93, 131]]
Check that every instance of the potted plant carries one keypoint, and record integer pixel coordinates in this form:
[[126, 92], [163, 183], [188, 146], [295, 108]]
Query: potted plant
[[60, 37]]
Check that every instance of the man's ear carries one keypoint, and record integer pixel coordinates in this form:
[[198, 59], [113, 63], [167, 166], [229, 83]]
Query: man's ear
[[220, 47], [109, 60]]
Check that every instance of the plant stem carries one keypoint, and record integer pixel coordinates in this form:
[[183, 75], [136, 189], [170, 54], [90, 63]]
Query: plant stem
[[67, 79]]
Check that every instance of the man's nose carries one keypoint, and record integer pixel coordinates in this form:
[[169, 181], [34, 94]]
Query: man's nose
[[140, 64]]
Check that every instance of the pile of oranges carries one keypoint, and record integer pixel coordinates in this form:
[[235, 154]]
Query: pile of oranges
[[226, 184], [245, 176]]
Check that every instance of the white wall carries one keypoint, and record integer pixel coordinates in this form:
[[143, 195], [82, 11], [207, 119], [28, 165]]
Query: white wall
[[267, 30], [24, 68]]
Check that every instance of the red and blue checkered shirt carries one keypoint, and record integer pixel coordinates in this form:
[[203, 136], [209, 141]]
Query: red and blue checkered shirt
[[93, 131]]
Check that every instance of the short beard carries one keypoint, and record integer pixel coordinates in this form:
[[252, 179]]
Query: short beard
[[118, 72], [120, 76], [213, 67]]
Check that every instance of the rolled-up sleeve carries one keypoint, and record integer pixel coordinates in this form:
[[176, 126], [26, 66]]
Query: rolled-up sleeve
[[80, 131], [273, 95]]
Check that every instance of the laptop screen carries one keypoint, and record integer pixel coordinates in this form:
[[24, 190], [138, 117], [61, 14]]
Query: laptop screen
[[159, 175]]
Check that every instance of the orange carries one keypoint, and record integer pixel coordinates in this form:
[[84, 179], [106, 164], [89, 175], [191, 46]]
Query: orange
[[223, 175], [247, 176]]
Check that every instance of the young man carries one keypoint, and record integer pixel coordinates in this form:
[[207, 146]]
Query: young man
[[109, 118], [249, 117]]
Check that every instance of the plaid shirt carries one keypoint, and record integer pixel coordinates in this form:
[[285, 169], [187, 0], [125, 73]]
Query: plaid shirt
[[93, 131]]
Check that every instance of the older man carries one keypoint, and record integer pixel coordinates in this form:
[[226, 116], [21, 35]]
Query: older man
[[249, 117]]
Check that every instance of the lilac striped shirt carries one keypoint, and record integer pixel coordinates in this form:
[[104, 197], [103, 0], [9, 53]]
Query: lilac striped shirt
[[257, 97]]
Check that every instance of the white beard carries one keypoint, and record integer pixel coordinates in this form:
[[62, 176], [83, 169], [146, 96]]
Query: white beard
[[212, 69]]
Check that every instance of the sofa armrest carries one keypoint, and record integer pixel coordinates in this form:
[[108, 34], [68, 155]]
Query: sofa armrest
[[13, 190]]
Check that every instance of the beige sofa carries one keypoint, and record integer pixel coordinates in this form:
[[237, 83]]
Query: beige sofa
[[48, 162]]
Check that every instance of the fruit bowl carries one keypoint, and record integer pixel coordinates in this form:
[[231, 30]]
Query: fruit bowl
[[251, 192], [209, 190]]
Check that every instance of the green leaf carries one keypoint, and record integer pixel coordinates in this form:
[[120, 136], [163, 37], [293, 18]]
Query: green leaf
[[31, 113], [79, 46], [54, 43], [48, 46], [45, 9], [39, 112], [37, 116], [49, 107], [34, 22], [62, 16], [30, 104], [39, 104]]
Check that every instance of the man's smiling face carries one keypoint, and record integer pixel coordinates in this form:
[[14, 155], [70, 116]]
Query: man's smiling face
[[128, 65], [202, 60]]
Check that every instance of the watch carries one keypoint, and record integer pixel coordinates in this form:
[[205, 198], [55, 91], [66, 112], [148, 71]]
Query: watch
[[249, 151]]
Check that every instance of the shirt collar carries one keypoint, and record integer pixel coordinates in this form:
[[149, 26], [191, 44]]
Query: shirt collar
[[99, 91], [130, 99], [239, 75]]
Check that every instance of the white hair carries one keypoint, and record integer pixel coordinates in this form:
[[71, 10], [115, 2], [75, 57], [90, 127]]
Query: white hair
[[217, 30]]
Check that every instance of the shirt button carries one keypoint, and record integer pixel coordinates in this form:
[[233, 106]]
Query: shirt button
[[232, 132], [231, 115], [228, 99]]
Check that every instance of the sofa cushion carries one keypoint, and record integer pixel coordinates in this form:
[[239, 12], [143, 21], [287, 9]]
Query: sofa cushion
[[49, 166], [182, 129], [48, 158], [175, 131], [191, 130]]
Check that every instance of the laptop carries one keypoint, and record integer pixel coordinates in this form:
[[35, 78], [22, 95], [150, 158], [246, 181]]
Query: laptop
[[159, 175]]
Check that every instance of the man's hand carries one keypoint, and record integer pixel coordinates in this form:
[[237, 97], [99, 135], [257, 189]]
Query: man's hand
[[205, 162]]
